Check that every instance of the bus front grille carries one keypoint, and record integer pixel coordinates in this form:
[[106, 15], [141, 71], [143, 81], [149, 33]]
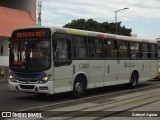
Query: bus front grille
[[27, 86]]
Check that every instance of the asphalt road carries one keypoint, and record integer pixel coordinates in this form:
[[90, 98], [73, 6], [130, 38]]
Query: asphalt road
[[14, 101]]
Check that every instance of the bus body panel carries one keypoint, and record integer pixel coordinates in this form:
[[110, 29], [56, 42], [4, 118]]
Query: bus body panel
[[96, 73], [154, 68], [144, 69], [116, 72], [63, 78]]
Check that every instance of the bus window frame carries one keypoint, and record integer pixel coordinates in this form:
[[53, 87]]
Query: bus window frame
[[113, 49], [79, 47], [127, 50], [68, 61], [96, 48], [143, 51], [155, 52], [131, 50]]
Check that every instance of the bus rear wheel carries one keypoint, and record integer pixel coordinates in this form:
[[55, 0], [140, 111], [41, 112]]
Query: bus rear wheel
[[134, 80], [78, 87]]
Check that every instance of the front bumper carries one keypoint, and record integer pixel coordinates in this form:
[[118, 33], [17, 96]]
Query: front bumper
[[33, 88]]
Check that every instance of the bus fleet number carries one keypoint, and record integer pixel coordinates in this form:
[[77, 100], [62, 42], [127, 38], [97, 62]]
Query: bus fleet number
[[83, 66]]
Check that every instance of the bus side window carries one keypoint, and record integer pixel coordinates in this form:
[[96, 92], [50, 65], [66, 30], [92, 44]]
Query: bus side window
[[123, 49], [110, 49], [153, 51], [91, 48], [134, 50], [62, 52], [145, 50], [95, 48], [115, 49], [79, 47]]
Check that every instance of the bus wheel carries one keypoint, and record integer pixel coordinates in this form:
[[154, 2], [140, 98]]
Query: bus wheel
[[134, 80], [79, 87]]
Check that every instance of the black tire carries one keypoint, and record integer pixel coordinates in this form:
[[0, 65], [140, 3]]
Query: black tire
[[134, 80], [78, 87]]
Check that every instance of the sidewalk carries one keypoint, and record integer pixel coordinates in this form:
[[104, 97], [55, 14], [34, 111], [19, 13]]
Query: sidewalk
[[149, 113], [140, 106]]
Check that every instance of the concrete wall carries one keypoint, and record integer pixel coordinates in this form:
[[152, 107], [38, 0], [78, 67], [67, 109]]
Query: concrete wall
[[26, 5], [4, 43], [4, 60]]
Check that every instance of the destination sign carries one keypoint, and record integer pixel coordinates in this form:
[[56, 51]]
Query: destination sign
[[30, 34]]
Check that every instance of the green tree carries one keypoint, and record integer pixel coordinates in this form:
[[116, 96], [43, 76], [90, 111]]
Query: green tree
[[93, 25]]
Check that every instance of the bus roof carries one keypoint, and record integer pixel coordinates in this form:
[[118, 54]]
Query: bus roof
[[99, 34], [92, 34]]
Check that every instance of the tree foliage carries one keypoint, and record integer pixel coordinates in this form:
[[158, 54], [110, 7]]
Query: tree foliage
[[93, 25]]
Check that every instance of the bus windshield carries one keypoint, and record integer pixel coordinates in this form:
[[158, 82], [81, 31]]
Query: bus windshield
[[31, 54]]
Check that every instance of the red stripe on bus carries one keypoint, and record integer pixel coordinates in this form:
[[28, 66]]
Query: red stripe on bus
[[100, 35]]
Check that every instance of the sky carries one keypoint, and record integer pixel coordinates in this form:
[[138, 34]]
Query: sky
[[143, 16]]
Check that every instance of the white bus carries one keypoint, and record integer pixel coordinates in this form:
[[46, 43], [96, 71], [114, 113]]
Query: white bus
[[54, 60]]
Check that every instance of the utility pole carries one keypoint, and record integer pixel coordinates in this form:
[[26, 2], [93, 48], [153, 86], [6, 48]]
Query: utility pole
[[116, 17], [39, 13]]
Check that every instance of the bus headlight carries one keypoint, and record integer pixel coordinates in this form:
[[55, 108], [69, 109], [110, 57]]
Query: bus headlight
[[46, 78], [11, 78]]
